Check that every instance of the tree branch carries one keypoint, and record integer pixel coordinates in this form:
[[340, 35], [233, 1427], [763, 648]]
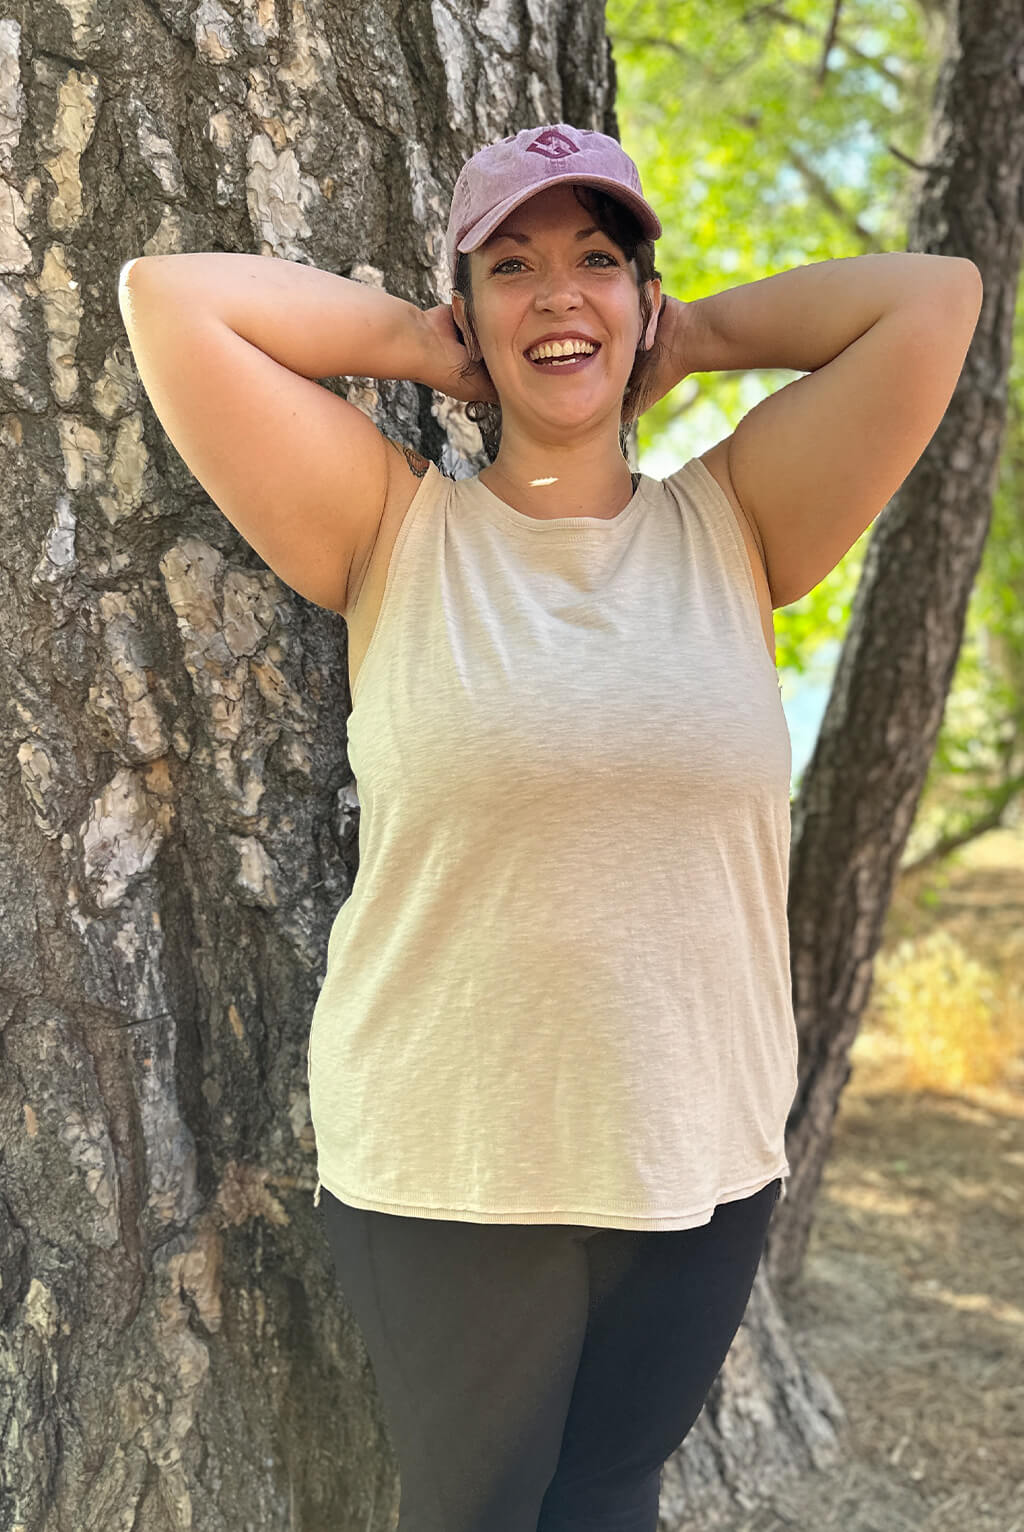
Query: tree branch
[[826, 47], [992, 819]]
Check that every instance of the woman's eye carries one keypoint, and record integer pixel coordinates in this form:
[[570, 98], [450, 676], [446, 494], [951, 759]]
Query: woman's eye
[[514, 260]]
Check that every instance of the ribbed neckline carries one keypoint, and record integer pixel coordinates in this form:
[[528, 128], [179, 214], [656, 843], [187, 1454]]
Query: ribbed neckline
[[506, 515]]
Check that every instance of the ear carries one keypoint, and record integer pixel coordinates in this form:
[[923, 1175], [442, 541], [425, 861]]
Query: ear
[[459, 316], [654, 288]]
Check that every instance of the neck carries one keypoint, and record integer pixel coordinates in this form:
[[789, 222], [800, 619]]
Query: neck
[[574, 479]]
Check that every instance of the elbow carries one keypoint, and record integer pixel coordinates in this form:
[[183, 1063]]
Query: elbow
[[124, 291], [975, 289], [126, 268], [972, 278]]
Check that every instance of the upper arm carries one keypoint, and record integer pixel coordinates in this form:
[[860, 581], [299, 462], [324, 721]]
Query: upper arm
[[815, 463], [302, 474]]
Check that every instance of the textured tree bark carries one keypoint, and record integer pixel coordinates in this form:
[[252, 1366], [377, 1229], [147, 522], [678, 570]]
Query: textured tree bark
[[861, 789], [179, 820]]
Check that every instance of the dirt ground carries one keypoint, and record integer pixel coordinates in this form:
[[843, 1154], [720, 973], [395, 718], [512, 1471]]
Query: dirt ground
[[912, 1300]]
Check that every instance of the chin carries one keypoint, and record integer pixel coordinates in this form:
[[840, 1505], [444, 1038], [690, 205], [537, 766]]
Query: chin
[[569, 414], [587, 400]]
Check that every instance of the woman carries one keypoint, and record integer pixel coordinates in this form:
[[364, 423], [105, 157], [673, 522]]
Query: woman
[[554, 1051]]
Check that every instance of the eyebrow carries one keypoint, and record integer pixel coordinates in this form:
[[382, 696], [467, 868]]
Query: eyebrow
[[524, 239]]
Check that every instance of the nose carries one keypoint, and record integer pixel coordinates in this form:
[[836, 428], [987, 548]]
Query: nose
[[558, 292]]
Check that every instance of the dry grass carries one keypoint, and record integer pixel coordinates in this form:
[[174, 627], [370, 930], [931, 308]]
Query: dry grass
[[941, 1018], [947, 1007]]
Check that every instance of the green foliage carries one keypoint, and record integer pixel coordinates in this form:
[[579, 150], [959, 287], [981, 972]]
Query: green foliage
[[756, 163], [757, 159]]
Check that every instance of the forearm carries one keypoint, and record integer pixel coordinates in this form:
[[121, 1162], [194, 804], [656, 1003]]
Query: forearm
[[314, 322], [803, 318]]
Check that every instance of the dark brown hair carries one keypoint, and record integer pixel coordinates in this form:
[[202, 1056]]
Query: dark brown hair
[[623, 228]]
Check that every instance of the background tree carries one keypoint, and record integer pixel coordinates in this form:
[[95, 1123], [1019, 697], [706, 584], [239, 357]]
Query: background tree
[[787, 134], [859, 795], [776, 135]]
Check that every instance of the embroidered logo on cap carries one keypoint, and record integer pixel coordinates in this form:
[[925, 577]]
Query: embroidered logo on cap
[[553, 145]]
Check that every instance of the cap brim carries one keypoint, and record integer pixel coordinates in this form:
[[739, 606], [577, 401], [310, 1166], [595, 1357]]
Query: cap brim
[[481, 231]]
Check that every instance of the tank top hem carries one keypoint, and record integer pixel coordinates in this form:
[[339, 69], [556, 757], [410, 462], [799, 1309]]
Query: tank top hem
[[372, 1202]]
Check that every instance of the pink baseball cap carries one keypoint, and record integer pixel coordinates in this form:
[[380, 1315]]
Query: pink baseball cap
[[502, 175]]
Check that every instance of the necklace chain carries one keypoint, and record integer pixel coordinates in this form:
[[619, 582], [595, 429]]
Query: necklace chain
[[634, 479]]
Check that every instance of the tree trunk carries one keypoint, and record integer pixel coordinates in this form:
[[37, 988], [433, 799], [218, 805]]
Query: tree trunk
[[179, 820], [861, 788], [767, 1413]]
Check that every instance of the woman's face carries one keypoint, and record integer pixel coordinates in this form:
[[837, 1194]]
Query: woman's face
[[556, 278]]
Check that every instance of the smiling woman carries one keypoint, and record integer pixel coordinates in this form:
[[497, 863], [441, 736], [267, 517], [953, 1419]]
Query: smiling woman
[[554, 1051], [552, 1059], [620, 245]]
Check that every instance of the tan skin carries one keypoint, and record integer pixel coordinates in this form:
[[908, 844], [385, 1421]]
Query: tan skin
[[559, 428]]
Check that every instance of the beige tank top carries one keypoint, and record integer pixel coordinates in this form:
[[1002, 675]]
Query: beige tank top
[[559, 990]]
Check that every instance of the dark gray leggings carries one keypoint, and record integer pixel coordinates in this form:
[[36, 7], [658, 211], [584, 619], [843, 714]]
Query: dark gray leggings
[[535, 1377]]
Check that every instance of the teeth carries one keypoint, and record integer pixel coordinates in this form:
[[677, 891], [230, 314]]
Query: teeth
[[561, 348]]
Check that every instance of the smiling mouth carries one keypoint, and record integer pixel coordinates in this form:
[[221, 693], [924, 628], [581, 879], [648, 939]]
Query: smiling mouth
[[564, 363]]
